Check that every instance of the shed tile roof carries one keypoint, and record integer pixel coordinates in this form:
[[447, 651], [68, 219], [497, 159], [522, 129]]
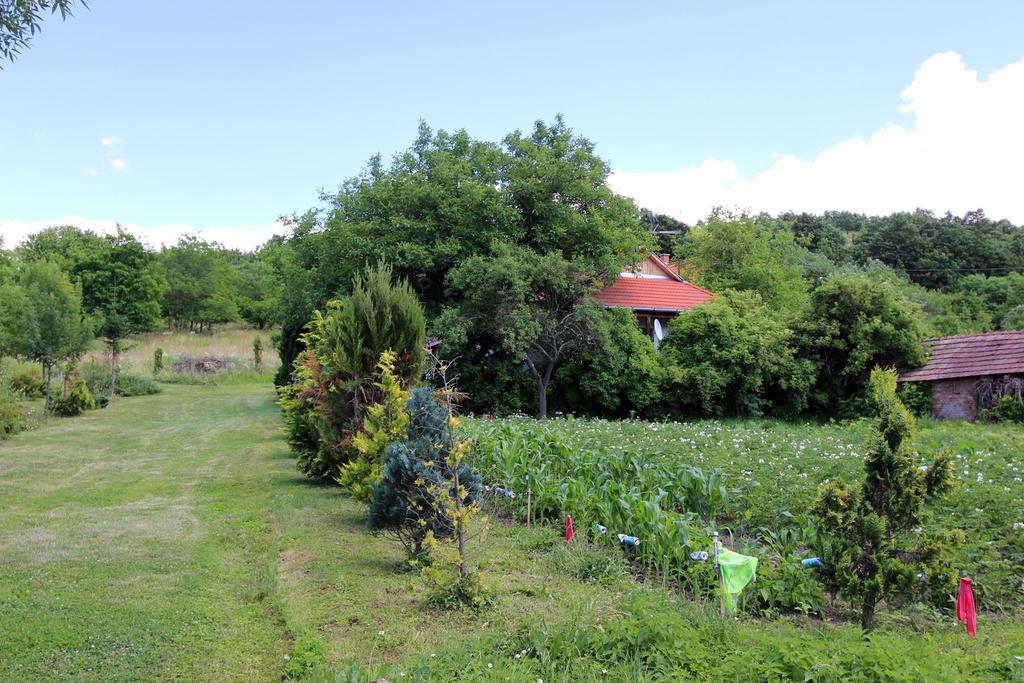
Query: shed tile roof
[[971, 355], [646, 294]]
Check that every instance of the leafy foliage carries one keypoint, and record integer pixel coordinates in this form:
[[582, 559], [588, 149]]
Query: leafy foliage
[[746, 254], [854, 323], [618, 373], [75, 402], [536, 307], [733, 356], [448, 198], [865, 544], [201, 284], [22, 19], [42, 319]]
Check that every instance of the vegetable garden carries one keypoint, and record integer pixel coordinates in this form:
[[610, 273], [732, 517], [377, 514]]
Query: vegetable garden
[[669, 483]]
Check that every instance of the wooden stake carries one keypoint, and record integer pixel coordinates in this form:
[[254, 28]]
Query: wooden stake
[[529, 508], [718, 575]]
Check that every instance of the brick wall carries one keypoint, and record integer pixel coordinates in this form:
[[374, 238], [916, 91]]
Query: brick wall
[[953, 399]]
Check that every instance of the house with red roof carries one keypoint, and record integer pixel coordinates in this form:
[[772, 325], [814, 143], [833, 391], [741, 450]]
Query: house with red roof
[[968, 371], [655, 292]]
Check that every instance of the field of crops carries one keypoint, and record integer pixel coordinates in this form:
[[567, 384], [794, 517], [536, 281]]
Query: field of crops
[[671, 483]]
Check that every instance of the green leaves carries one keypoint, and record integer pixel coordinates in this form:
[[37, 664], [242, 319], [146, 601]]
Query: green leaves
[[866, 544]]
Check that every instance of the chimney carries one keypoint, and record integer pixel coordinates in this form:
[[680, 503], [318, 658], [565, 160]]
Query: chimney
[[664, 257]]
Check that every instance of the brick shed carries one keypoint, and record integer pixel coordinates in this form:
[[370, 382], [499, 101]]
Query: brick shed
[[956, 364]]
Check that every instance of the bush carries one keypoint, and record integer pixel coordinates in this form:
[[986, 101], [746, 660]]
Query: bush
[[917, 397], [28, 381], [335, 376], [617, 374], [405, 501], [787, 587], [856, 322], [75, 402], [1008, 409], [12, 416], [733, 356], [97, 378]]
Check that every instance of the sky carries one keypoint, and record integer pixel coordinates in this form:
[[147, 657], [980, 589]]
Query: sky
[[218, 118]]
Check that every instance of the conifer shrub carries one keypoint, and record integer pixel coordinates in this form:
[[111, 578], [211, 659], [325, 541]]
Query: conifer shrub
[[866, 533], [386, 421], [75, 402], [335, 379], [416, 473]]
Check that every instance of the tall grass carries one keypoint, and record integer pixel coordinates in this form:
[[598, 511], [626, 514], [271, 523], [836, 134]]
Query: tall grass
[[229, 342]]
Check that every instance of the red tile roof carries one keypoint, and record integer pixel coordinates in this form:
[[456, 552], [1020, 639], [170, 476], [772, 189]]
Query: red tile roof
[[971, 355], [649, 294]]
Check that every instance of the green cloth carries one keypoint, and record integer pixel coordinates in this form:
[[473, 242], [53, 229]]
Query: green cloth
[[737, 571]]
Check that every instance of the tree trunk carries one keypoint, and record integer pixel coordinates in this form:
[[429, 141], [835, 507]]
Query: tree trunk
[[459, 522], [543, 382], [867, 613], [542, 398], [47, 373], [115, 352]]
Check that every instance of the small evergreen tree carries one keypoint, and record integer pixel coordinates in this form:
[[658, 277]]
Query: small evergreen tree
[[335, 377], [158, 360], [386, 421], [415, 472], [257, 353], [865, 542]]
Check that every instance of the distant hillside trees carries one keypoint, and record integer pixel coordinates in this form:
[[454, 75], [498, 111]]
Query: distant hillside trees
[[202, 285]]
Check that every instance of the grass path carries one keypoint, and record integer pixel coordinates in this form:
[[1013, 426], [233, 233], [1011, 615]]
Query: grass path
[[136, 542], [170, 537]]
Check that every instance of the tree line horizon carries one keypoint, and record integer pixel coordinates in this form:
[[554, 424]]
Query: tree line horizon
[[503, 242]]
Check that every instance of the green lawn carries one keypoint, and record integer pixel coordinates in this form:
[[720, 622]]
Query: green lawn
[[170, 537], [136, 541]]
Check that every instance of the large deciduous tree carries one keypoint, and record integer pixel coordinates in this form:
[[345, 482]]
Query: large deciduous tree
[[449, 197], [746, 253], [121, 289], [201, 284], [855, 322], [536, 306], [42, 319]]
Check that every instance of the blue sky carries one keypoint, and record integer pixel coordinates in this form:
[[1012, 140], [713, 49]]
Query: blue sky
[[219, 117]]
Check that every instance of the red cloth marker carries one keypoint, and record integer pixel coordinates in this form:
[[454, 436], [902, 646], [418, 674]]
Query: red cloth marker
[[569, 533], [965, 606]]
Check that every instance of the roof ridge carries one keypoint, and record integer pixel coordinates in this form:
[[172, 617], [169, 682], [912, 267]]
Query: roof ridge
[[973, 335]]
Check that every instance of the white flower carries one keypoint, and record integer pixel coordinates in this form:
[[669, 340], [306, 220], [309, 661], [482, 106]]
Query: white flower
[[1018, 525], [381, 632], [489, 665]]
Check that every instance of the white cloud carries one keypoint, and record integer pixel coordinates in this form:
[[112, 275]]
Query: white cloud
[[112, 144], [235, 236], [963, 152]]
